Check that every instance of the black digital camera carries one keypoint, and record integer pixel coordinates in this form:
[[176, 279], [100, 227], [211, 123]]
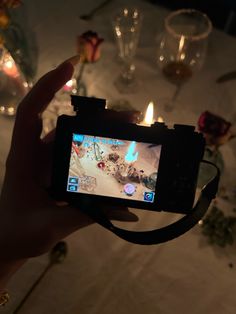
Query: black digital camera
[[153, 168]]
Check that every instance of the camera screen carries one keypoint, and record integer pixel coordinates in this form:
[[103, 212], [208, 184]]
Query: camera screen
[[113, 167]]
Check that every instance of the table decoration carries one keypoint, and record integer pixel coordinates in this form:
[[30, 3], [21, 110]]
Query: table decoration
[[56, 256], [219, 228], [18, 56], [217, 132], [89, 48]]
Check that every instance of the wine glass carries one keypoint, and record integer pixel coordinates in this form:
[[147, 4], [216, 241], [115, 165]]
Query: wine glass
[[127, 24], [13, 84], [183, 48]]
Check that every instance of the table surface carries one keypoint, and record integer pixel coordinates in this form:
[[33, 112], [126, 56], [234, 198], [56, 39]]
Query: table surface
[[103, 274]]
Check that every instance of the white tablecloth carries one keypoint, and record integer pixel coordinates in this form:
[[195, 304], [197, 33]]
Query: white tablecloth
[[103, 274]]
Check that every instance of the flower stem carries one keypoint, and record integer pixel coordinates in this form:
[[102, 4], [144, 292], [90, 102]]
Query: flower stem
[[81, 71], [81, 87]]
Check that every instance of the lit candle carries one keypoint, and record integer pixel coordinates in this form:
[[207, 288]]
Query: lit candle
[[9, 67], [11, 111], [181, 54], [160, 119], [148, 119]]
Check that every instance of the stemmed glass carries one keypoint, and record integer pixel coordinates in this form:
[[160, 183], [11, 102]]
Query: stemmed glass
[[183, 48], [126, 24]]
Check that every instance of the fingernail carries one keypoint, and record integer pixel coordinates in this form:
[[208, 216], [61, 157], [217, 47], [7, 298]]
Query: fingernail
[[74, 60]]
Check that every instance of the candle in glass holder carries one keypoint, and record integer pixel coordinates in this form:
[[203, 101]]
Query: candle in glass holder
[[160, 119], [148, 119], [9, 67]]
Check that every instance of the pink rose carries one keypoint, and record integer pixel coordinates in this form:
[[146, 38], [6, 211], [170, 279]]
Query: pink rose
[[88, 45]]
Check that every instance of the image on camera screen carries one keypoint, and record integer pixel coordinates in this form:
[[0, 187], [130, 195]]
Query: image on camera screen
[[113, 167]]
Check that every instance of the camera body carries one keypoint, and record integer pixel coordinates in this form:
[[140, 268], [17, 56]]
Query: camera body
[[99, 161]]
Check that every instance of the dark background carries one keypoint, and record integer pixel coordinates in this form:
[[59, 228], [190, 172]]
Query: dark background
[[221, 12]]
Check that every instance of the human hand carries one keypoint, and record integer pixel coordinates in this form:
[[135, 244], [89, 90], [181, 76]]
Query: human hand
[[31, 222]]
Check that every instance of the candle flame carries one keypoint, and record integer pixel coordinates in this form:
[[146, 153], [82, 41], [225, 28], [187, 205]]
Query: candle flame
[[9, 64], [11, 111], [181, 43], [131, 156], [160, 119], [149, 113]]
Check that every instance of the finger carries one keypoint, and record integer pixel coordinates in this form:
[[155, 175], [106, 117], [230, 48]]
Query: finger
[[42, 93], [66, 219], [45, 164], [35, 102], [49, 137], [119, 213], [28, 126], [46, 149]]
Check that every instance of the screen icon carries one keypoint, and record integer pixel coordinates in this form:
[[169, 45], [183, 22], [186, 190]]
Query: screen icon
[[148, 197], [72, 188], [78, 137], [73, 180], [129, 189]]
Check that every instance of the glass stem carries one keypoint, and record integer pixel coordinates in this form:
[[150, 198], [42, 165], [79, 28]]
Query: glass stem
[[176, 93], [128, 72], [170, 104], [81, 71]]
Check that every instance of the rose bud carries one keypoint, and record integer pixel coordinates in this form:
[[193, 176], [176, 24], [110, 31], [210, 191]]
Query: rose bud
[[4, 19], [216, 130], [88, 46]]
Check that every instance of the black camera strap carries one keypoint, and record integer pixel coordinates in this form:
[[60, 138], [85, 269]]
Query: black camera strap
[[171, 231]]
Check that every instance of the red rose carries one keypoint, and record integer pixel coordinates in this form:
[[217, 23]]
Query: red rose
[[88, 46], [216, 130], [213, 124]]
